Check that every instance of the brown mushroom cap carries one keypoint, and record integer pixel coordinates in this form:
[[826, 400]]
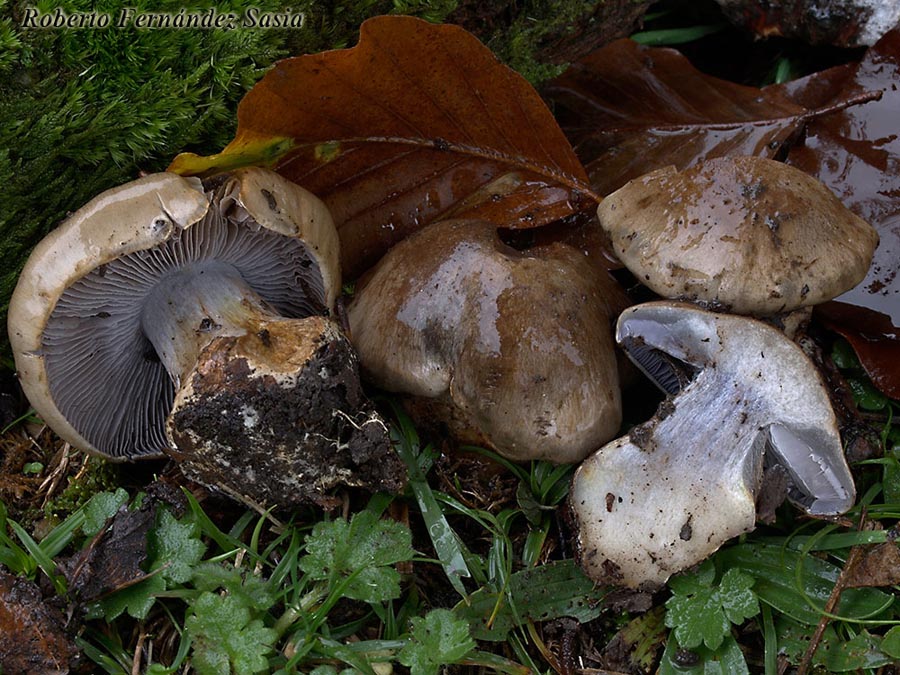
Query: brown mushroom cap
[[747, 234], [519, 344]]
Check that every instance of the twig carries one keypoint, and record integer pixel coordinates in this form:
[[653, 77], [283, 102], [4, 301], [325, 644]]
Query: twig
[[833, 600]]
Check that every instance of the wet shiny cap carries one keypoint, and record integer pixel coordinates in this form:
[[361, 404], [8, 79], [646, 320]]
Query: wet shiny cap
[[516, 346], [745, 234]]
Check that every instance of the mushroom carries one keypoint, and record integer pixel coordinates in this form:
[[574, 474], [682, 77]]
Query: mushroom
[[744, 234], [165, 317], [673, 490], [512, 349]]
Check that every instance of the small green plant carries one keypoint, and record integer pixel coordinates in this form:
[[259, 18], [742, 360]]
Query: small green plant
[[702, 611], [269, 600]]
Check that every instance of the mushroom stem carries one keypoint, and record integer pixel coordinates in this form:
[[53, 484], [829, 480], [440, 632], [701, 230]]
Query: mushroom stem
[[677, 487], [190, 307]]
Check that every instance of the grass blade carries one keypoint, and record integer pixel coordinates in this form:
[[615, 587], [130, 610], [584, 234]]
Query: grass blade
[[446, 542]]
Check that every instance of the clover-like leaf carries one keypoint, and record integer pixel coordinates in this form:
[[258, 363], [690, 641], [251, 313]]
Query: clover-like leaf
[[100, 508], [225, 637], [136, 599], [176, 548], [701, 613], [437, 639]]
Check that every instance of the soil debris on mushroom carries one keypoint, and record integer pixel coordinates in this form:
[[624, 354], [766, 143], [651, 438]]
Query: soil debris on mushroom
[[172, 316], [744, 234]]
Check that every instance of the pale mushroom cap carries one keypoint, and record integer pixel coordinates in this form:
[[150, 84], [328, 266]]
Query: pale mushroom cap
[[98, 232], [124, 223], [747, 234], [519, 342], [676, 488]]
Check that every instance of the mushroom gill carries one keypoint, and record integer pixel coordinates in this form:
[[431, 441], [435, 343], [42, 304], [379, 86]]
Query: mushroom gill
[[170, 316]]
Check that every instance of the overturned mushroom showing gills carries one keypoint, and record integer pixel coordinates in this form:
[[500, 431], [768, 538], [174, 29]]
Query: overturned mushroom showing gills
[[676, 488], [513, 349], [746, 234], [164, 303]]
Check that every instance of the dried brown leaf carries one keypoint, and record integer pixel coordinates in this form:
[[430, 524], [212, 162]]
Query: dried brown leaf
[[114, 557], [873, 337], [32, 632], [877, 566], [856, 153], [630, 109], [416, 123]]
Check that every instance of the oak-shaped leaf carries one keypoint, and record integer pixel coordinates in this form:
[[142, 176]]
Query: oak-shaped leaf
[[416, 123]]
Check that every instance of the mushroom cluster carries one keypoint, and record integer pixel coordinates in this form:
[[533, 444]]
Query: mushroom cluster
[[170, 316], [511, 349], [746, 408]]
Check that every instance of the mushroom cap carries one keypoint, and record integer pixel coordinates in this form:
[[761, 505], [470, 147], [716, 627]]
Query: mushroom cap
[[518, 343], [676, 488], [74, 317], [747, 234]]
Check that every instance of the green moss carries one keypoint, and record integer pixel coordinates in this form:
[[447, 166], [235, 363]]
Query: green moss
[[99, 475], [536, 26], [84, 110]]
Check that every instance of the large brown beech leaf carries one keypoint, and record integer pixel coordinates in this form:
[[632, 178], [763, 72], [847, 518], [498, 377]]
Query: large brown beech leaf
[[416, 123], [631, 109], [856, 152]]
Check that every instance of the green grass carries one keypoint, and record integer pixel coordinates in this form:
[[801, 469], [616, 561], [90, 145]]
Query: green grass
[[271, 598], [458, 584]]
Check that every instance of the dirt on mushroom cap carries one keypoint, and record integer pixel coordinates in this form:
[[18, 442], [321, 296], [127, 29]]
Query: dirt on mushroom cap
[[747, 234]]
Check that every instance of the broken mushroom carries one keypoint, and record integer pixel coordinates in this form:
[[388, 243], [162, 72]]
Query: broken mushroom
[[166, 316], [673, 490], [513, 349], [744, 234]]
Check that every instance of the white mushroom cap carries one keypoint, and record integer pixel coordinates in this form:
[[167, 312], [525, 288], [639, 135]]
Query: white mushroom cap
[[747, 234], [676, 488], [75, 316]]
